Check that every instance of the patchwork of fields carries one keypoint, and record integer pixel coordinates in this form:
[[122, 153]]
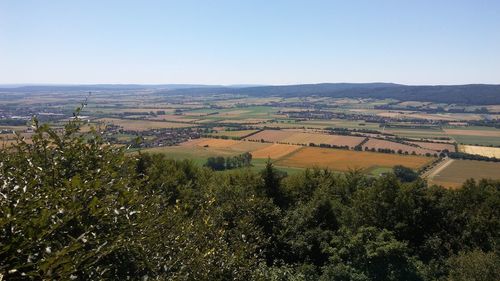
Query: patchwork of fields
[[292, 156], [284, 129]]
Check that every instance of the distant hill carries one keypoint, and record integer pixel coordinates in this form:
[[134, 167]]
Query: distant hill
[[477, 94]]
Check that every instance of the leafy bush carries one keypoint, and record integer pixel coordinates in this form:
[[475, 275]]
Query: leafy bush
[[73, 207]]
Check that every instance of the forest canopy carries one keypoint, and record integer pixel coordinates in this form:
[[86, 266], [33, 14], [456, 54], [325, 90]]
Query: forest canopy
[[73, 207]]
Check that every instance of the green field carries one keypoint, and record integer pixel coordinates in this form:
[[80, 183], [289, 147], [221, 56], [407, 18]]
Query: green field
[[477, 140]]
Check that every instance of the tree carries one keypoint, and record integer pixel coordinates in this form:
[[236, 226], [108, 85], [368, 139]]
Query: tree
[[68, 208], [369, 254], [272, 182], [405, 174], [474, 266]]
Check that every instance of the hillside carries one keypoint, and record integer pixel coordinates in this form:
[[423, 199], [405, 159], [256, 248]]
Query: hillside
[[461, 94], [473, 94]]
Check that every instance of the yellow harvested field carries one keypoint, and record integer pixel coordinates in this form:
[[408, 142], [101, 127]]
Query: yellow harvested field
[[142, 125], [275, 151], [481, 150], [210, 142], [343, 160], [271, 135], [290, 137], [482, 133]]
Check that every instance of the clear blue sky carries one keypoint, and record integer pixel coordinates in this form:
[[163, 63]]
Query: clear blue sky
[[253, 41]]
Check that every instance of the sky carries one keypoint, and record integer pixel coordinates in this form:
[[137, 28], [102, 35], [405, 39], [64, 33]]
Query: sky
[[249, 42]]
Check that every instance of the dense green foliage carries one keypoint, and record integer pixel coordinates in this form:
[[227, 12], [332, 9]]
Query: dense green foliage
[[75, 208], [467, 156], [405, 174], [227, 163]]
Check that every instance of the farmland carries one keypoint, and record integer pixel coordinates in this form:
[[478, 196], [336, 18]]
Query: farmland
[[384, 144], [295, 132], [200, 149], [291, 137], [292, 156], [435, 146], [233, 134], [481, 150], [142, 125], [344, 160], [458, 171], [275, 151]]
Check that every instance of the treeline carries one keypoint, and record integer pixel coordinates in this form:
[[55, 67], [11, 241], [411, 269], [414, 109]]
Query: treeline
[[13, 122], [74, 208], [467, 156], [349, 131], [220, 163]]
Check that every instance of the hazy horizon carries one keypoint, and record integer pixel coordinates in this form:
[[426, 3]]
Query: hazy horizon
[[13, 85]]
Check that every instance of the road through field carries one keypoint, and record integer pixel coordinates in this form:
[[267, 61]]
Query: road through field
[[438, 168]]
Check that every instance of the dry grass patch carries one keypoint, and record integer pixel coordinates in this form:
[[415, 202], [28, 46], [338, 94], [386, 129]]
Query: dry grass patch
[[457, 172], [224, 145], [481, 150], [271, 135], [343, 160], [275, 151]]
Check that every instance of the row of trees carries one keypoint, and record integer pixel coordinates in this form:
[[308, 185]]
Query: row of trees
[[74, 208], [467, 156], [220, 163]]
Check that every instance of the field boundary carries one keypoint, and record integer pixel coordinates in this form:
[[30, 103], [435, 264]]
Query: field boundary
[[431, 173]]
